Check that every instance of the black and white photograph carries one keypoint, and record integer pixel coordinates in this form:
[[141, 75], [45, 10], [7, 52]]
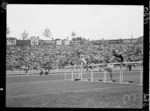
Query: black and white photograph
[[74, 56]]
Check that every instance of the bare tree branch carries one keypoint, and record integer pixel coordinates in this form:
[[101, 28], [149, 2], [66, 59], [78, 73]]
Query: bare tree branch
[[24, 35], [7, 31], [47, 33], [73, 34]]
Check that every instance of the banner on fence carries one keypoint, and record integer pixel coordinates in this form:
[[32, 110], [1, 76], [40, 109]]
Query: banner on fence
[[59, 42], [34, 42], [129, 41], [11, 41], [115, 41], [23, 42]]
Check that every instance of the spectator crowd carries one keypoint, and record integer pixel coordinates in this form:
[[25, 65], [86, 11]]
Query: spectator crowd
[[51, 57]]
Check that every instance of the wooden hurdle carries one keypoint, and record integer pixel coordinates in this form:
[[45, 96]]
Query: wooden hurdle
[[69, 74], [77, 70]]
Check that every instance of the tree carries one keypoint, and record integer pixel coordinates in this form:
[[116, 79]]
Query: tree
[[73, 34], [47, 33], [7, 31], [24, 35]]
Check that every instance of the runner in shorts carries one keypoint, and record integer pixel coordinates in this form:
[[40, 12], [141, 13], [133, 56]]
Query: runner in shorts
[[110, 67]]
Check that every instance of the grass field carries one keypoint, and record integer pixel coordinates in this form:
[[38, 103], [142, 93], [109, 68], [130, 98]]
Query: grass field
[[53, 91]]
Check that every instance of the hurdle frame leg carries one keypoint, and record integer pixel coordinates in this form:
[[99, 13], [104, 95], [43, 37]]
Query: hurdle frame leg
[[141, 76], [65, 75], [105, 76], [121, 75], [91, 75], [78, 71], [81, 73], [72, 76]]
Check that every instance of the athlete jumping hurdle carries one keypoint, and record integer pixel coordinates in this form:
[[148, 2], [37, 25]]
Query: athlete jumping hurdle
[[110, 67]]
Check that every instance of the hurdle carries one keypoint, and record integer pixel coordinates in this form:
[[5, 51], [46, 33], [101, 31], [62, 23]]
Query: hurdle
[[122, 73], [73, 72], [78, 71], [141, 73], [68, 74]]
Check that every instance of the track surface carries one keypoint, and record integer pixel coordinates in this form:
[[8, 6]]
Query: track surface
[[54, 91]]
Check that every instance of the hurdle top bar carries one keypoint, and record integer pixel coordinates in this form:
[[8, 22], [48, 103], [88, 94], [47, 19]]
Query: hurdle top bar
[[140, 62]]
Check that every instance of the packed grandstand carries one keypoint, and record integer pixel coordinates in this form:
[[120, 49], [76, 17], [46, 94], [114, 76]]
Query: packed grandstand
[[35, 54]]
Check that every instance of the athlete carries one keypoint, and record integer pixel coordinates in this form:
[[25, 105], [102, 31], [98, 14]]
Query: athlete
[[117, 57], [109, 69], [82, 59], [84, 62]]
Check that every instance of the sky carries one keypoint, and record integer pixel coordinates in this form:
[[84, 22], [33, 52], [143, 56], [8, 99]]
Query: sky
[[92, 22]]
